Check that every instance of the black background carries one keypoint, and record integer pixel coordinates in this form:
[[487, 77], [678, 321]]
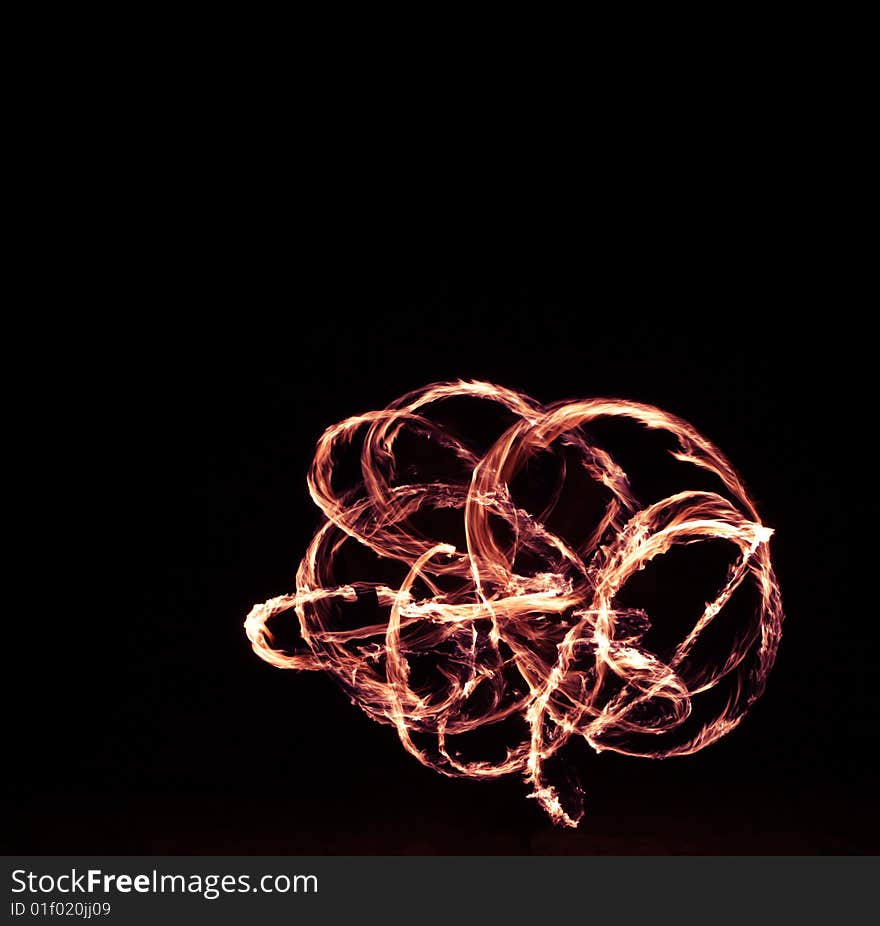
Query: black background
[[182, 424]]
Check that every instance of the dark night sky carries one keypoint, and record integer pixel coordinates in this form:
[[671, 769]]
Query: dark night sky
[[182, 449]]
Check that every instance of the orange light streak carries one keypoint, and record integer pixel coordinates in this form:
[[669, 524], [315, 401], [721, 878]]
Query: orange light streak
[[549, 646]]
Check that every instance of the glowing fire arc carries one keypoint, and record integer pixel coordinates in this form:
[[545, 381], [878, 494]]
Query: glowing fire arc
[[548, 644]]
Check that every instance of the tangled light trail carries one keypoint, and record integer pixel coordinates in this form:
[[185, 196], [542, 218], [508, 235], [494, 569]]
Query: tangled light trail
[[516, 623]]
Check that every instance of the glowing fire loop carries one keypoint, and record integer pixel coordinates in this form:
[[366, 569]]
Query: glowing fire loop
[[518, 623]]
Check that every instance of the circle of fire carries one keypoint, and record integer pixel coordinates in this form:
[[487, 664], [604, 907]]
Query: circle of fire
[[548, 645]]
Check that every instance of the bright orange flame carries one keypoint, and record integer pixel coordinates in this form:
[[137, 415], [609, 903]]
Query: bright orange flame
[[547, 646]]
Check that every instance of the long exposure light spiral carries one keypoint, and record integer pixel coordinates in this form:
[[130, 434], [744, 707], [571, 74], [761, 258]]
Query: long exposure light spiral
[[519, 622]]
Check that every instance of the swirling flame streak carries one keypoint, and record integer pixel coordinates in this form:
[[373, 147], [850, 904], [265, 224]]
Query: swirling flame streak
[[496, 620]]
